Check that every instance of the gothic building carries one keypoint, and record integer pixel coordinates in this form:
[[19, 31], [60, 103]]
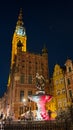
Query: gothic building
[[22, 77], [24, 66]]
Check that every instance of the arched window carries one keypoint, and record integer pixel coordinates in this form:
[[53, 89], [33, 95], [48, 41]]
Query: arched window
[[69, 69]]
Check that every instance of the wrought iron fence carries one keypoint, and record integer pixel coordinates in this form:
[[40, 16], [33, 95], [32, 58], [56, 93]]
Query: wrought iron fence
[[37, 125]]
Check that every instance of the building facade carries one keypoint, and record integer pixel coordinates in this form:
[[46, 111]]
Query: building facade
[[23, 70], [69, 80], [59, 87], [22, 77]]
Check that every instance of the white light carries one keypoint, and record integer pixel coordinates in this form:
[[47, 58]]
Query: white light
[[24, 100]]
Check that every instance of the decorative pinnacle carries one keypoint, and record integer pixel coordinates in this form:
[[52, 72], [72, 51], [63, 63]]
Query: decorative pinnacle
[[20, 22], [44, 50]]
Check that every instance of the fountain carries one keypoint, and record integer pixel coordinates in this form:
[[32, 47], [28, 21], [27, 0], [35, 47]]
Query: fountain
[[41, 98]]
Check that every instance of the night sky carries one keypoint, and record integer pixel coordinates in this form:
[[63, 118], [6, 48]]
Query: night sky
[[47, 23]]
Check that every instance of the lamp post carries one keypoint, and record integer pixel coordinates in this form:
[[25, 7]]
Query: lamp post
[[25, 104]]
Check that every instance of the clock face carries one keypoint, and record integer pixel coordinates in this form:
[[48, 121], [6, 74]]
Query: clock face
[[20, 31]]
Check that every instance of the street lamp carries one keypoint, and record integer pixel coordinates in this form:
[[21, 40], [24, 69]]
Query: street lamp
[[24, 103], [24, 100], [29, 113]]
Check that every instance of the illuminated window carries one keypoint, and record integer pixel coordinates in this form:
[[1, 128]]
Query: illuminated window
[[64, 102], [57, 73], [59, 104], [63, 90], [58, 92], [29, 93], [57, 82], [61, 80], [21, 95], [20, 110]]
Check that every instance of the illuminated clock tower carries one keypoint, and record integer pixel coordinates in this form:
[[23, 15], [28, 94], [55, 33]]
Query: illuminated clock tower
[[19, 35]]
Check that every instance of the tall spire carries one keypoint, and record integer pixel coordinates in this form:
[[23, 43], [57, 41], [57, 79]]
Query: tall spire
[[44, 50], [20, 22], [19, 35]]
